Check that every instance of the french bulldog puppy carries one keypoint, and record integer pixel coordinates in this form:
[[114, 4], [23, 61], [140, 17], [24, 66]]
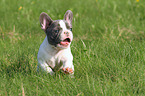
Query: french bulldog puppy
[[54, 53]]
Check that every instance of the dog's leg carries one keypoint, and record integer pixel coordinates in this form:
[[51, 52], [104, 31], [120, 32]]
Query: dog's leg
[[68, 67], [69, 70], [44, 66]]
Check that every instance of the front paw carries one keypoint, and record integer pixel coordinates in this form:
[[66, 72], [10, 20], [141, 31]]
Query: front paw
[[67, 70]]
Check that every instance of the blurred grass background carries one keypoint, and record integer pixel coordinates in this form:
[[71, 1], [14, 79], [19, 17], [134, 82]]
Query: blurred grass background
[[108, 48]]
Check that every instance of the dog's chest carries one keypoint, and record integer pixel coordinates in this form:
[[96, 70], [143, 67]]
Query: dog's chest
[[55, 60]]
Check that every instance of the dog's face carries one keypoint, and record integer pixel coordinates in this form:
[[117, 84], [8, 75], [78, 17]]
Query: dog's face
[[59, 32]]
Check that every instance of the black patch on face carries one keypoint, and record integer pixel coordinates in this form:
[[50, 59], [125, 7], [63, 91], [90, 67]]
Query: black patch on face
[[53, 33]]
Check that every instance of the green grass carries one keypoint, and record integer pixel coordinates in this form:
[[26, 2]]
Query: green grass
[[108, 48]]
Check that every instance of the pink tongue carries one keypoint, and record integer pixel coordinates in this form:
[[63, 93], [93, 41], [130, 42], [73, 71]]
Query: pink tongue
[[64, 43]]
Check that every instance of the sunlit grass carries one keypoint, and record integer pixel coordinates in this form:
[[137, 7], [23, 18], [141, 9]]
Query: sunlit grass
[[108, 48]]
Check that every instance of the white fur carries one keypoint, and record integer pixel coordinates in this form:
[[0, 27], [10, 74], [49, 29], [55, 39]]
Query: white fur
[[50, 56], [62, 25]]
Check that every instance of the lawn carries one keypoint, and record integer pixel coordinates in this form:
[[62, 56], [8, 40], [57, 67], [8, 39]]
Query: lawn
[[108, 48]]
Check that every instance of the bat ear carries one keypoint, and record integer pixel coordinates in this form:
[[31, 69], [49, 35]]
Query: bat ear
[[68, 17], [45, 21]]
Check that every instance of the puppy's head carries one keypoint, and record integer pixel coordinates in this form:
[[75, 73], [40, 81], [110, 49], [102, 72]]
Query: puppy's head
[[59, 32]]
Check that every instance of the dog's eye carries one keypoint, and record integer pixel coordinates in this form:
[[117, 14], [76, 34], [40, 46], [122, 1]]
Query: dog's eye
[[70, 29], [57, 31]]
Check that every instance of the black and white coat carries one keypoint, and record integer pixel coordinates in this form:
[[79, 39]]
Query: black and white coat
[[54, 53]]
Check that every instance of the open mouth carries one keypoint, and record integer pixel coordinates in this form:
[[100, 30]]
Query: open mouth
[[65, 42]]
